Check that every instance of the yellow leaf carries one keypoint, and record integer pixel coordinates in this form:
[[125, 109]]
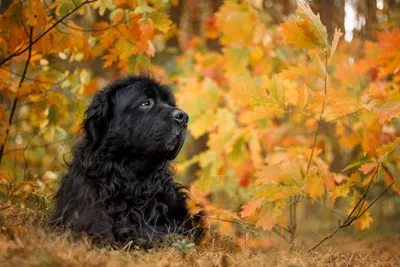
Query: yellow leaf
[[300, 34], [355, 177], [304, 11], [267, 220], [275, 88], [315, 186], [267, 175], [202, 124], [302, 98], [296, 71], [291, 173], [161, 21], [340, 191], [267, 111], [363, 222]]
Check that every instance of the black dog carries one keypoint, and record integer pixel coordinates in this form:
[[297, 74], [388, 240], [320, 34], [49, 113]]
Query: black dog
[[119, 187]]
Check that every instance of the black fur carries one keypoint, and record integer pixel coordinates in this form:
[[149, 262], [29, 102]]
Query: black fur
[[119, 187]]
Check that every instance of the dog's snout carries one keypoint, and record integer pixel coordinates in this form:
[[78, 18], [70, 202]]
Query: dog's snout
[[180, 116]]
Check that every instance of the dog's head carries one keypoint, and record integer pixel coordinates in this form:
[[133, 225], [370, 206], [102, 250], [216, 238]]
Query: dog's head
[[138, 116]]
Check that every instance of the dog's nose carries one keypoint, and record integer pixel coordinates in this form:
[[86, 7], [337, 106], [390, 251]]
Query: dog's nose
[[180, 116]]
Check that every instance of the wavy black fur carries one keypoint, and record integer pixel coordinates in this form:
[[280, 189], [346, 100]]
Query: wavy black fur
[[119, 187]]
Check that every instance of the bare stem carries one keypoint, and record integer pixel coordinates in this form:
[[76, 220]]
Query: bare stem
[[344, 116], [321, 114], [350, 218]]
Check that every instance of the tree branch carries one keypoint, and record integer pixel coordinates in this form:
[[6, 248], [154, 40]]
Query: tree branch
[[350, 218], [17, 53], [14, 106]]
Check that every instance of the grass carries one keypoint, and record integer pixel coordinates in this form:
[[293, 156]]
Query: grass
[[23, 242]]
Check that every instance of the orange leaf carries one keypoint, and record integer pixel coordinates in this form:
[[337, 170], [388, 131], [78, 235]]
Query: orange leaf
[[366, 168], [251, 207], [266, 221]]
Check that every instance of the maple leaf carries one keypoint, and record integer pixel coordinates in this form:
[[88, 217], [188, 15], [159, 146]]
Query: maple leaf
[[340, 191], [335, 41], [202, 124], [161, 21], [304, 11], [250, 208], [267, 221], [314, 186], [364, 221], [296, 71], [267, 175], [302, 98], [300, 34]]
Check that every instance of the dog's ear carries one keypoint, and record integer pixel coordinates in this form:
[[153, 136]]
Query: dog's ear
[[97, 118]]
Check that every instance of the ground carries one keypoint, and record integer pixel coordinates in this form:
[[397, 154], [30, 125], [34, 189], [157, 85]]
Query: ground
[[41, 248], [25, 242]]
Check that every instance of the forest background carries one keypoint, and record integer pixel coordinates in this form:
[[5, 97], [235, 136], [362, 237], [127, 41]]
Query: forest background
[[294, 116]]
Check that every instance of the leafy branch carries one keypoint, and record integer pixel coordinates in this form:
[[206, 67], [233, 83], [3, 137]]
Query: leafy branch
[[35, 40], [14, 106], [32, 41], [351, 217]]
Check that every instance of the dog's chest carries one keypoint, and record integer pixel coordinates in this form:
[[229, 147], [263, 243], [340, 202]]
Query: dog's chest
[[141, 202]]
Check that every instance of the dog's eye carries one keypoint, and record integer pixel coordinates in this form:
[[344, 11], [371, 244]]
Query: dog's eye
[[148, 103]]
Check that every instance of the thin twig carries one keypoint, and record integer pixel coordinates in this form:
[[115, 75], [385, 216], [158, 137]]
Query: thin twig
[[350, 218], [383, 192], [321, 114], [14, 106], [344, 116], [44, 33]]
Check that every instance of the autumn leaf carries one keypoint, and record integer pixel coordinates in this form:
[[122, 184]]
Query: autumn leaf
[[267, 175], [267, 220], [304, 11], [161, 21], [366, 168], [307, 31], [314, 186], [335, 41], [250, 208], [300, 34], [364, 221], [302, 98], [355, 164]]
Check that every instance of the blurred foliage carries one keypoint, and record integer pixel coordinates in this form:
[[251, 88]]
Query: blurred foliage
[[281, 112]]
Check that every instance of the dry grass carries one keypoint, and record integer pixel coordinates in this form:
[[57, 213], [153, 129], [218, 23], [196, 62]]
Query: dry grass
[[24, 244]]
